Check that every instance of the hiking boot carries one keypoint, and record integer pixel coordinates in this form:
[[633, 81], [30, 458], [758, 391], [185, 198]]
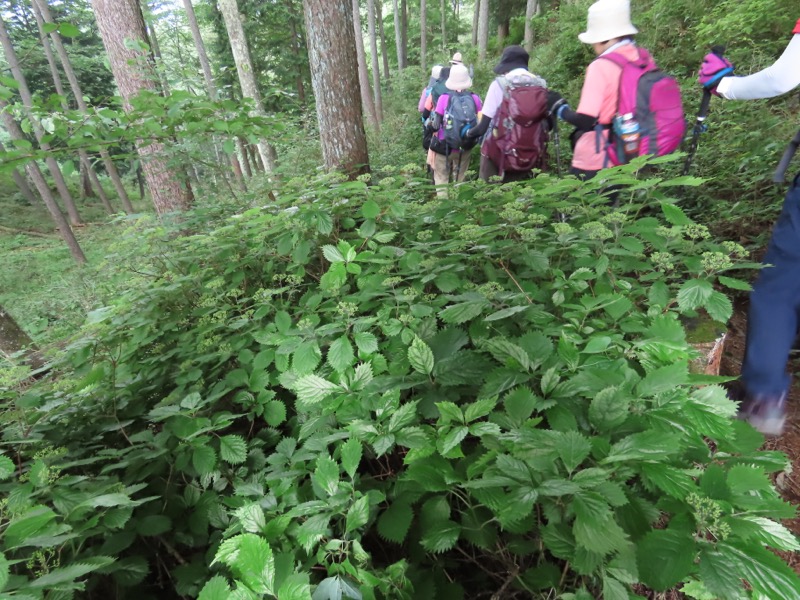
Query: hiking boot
[[765, 412]]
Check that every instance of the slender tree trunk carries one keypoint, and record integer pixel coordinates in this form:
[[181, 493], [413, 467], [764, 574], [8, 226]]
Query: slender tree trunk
[[299, 84], [423, 32], [155, 48], [27, 100], [373, 50], [475, 15], [384, 54], [501, 34], [15, 131], [443, 8], [398, 36], [334, 74], [483, 30], [208, 76], [404, 29], [22, 183], [13, 340], [111, 169], [244, 67], [531, 10], [363, 74], [457, 14], [119, 22], [245, 159]]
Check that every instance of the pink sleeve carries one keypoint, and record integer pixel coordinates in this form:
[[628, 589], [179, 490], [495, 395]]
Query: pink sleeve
[[422, 97], [494, 97], [429, 102], [599, 93], [797, 27], [478, 103]]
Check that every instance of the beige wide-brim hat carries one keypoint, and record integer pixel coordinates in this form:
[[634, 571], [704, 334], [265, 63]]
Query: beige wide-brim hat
[[459, 78], [608, 20], [456, 60]]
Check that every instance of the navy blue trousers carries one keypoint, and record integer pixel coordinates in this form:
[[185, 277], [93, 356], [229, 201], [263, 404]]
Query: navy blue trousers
[[775, 305]]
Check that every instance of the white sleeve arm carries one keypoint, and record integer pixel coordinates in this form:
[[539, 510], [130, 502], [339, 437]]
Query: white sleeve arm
[[781, 77]]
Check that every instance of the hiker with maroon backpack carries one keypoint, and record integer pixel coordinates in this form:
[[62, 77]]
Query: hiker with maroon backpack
[[515, 114], [773, 318], [628, 107]]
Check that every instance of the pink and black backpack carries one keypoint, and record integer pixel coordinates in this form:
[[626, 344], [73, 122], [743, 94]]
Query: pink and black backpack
[[654, 98]]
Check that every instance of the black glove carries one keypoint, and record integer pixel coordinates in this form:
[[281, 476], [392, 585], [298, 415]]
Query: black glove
[[554, 101]]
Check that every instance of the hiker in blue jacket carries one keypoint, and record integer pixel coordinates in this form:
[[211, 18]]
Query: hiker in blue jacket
[[774, 315]]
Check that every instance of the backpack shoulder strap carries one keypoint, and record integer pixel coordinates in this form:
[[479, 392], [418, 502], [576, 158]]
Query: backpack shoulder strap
[[644, 61]]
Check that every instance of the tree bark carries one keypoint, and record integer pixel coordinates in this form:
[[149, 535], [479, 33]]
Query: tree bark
[[208, 76], [22, 183], [531, 10], [89, 177], [376, 71], [334, 74], [244, 67], [111, 168], [27, 101], [155, 49], [245, 159], [404, 29], [382, 32], [398, 36], [367, 99], [120, 21], [423, 35], [13, 340], [301, 88], [475, 15], [483, 30], [15, 131]]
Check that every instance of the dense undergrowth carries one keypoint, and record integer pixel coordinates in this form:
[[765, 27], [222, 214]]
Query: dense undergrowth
[[366, 393]]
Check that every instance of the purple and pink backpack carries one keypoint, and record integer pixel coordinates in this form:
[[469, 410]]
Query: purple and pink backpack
[[654, 98]]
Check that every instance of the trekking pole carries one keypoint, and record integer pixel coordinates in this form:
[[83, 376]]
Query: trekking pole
[[557, 141], [783, 166], [700, 122]]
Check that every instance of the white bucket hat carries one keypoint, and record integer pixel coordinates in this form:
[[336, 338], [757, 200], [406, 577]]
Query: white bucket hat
[[436, 71], [459, 78], [608, 20], [456, 60]]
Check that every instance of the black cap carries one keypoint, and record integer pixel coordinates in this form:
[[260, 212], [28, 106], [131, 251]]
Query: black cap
[[514, 57]]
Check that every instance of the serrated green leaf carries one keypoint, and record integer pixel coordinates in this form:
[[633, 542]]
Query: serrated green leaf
[[614, 590], [326, 475], [332, 254], [573, 449], [312, 389], [609, 409], [4, 571], [306, 358], [765, 571], [312, 530], [599, 535], [462, 312], [665, 558], [519, 404], [664, 378], [403, 416], [675, 482], [734, 284], [252, 518], [674, 214], [274, 413], [774, 534], [506, 312], [449, 412], [204, 460], [395, 521], [233, 449], [27, 525], [216, 588], [694, 293], [70, 573], [441, 536], [350, 456], [479, 409], [68, 30], [252, 561], [508, 354], [452, 439], [366, 342], [295, 587], [340, 354], [357, 514], [721, 575], [719, 307], [370, 209], [421, 357]]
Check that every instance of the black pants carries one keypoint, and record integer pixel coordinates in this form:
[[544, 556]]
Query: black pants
[[488, 169]]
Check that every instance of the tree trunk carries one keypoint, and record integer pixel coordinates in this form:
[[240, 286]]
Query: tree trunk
[[398, 36], [301, 88], [119, 22], [13, 340], [334, 74], [363, 74], [384, 54], [211, 87], [373, 50], [423, 35], [502, 32], [404, 28], [443, 9], [111, 169], [155, 49], [244, 67], [27, 100], [245, 159], [531, 10], [483, 30], [476, 13], [22, 183], [15, 131]]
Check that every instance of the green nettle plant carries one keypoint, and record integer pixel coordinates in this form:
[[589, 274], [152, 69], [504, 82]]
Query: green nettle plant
[[362, 392]]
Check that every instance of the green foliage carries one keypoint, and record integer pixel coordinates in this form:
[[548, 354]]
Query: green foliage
[[358, 390]]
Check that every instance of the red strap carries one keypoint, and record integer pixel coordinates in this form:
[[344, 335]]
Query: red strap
[[797, 27]]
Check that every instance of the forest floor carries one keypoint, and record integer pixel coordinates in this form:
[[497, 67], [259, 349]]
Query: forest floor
[[788, 482]]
